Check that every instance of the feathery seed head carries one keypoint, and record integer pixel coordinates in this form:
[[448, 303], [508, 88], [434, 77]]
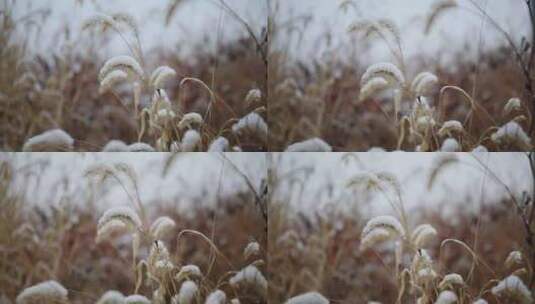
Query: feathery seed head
[[190, 121], [387, 71], [45, 292], [310, 145], [49, 141], [450, 127], [514, 289], [161, 75], [162, 226], [112, 297], [216, 297], [308, 298], [220, 144], [125, 63]]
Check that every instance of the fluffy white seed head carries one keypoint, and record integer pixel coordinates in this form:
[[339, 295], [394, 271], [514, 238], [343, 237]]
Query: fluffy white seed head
[[450, 145], [424, 84], [115, 146], [425, 275], [137, 299], [55, 140], [513, 134], [308, 298], [112, 79], [425, 123], [423, 235], [380, 229], [158, 252], [310, 145], [252, 249], [140, 147], [451, 127], [235, 301], [451, 280], [514, 104], [164, 116], [216, 297], [45, 292], [114, 226], [124, 214], [513, 288], [386, 70], [480, 301], [447, 297], [124, 63], [190, 272], [373, 87], [190, 121], [161, 227], [254, 96], [253, 124], [112, 297], [220, 144], [250, 276], [161, 75], [190, 141], [186, 295], [514, 258]]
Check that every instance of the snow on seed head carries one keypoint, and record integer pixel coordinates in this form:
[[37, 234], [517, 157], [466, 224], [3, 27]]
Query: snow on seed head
[[254, 96], [450, 127], [140, 147], [49, 141], [514, 104], [252, 123], [424, 84], [451, 280], [216, 297], [45, 292], [190, 141], [308, 298], [514, 258], [161, 75], [186, 295], [190, 120], [112, 297], [386, 70], [511, 133], [450, 145], [190, 272], [112, 79], [124, 214], [116, 226], [115, 146], [162, 226], [446, 297], [124, 63], [372, 87], [250, 276], [513, 288], [423, 235], [380, 229], [310, 145], [137, 299], [164, 116], [252, 249], [220, 144], [158, 252]]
